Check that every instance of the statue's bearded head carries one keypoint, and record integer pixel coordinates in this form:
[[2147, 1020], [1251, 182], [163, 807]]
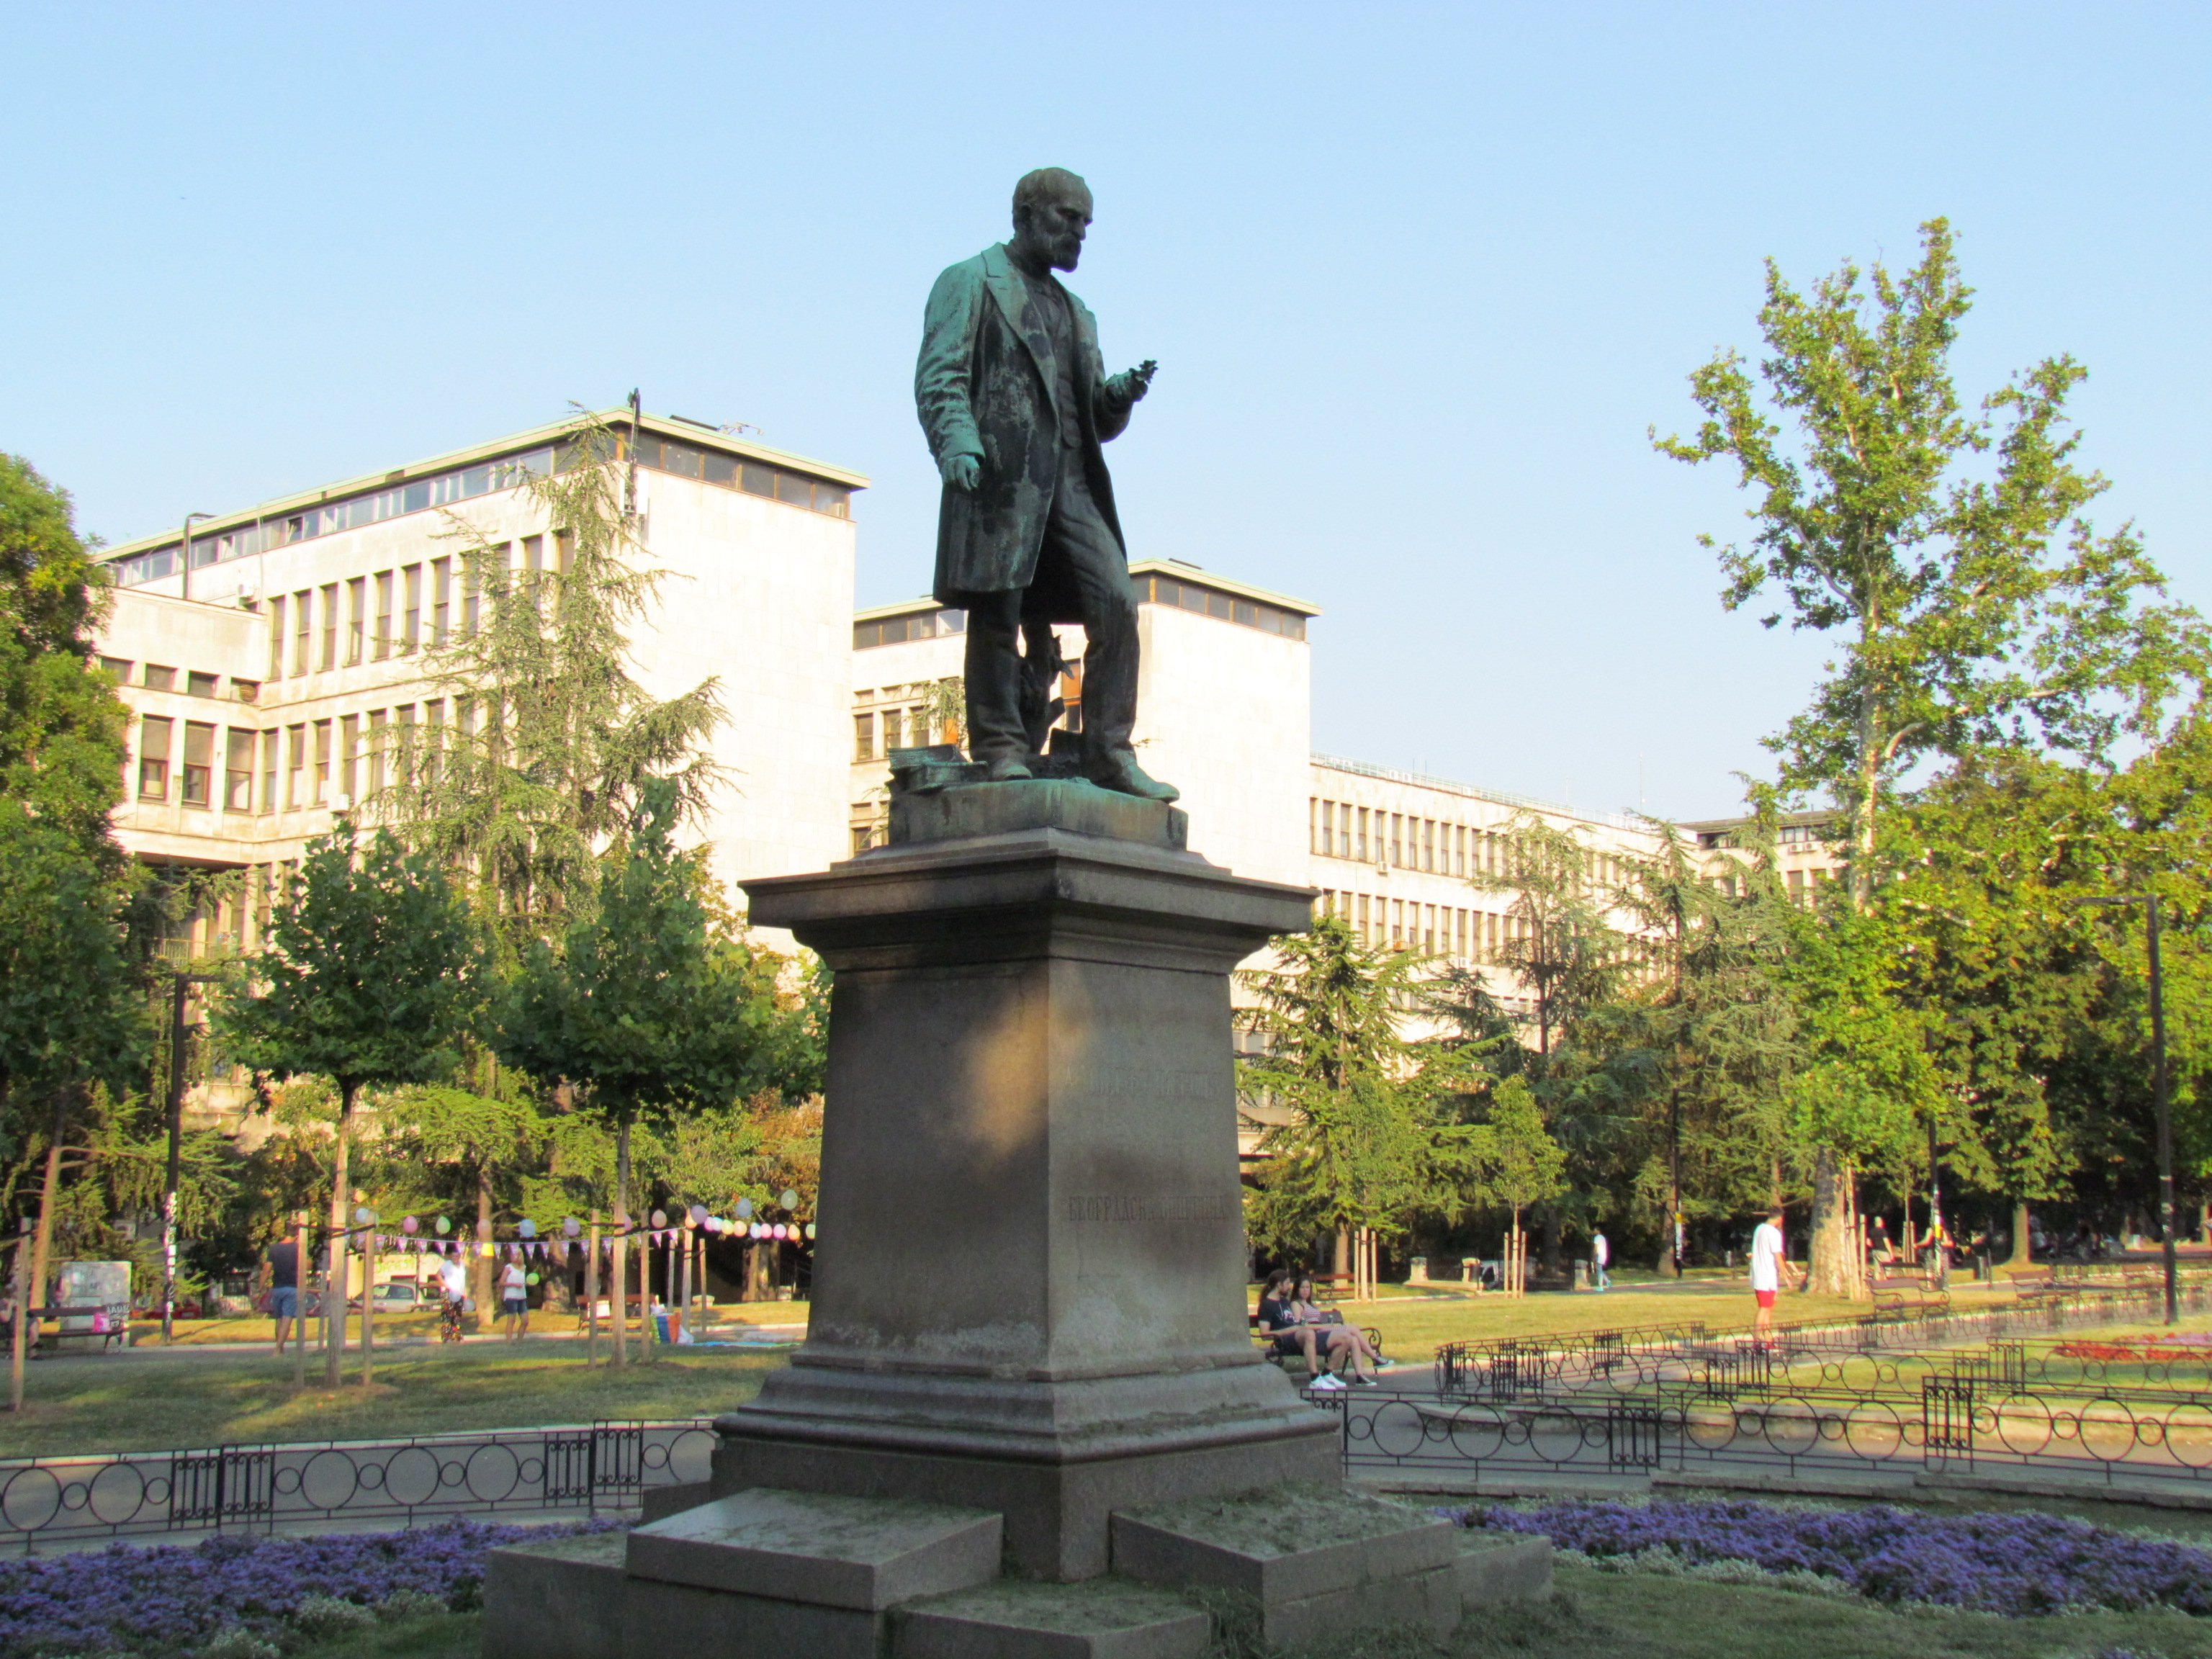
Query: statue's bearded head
[[1052, 211]]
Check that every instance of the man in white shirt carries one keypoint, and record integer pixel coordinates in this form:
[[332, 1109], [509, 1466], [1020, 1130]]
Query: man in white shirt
[[1770, 1262], [1601, 1254]]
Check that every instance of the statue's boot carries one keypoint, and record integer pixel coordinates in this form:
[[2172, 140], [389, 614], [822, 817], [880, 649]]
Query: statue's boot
[[1005, 768], [1118, 770]]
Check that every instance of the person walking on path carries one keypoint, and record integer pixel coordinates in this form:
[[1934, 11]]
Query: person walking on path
[[1769, 1264], [453, 1288], [514, 1301], [1601, 1253], [284, 1286]]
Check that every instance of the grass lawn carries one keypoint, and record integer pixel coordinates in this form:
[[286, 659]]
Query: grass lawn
[[161, 1402], [1600, 1615]]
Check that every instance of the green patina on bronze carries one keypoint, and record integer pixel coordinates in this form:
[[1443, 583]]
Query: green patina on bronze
[[1013, 395]]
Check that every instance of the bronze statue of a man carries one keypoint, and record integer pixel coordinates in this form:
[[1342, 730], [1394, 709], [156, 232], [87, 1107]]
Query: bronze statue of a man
[[1016, 402]]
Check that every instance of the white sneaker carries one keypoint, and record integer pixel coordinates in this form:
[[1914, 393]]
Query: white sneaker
[[1326, 1381]]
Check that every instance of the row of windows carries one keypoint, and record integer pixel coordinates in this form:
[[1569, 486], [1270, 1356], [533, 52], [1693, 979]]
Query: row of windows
[[157, 677], [1803, 886], [714, 466], [1150, 590], [484, 478], [329, 763], [416, 496], [1210, 602], [1469, 936], [391, 613], [1406, 841], [876, 733], [925, 625]]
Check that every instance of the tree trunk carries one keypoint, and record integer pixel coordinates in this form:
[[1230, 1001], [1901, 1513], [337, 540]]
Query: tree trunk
[[480, 1274], [50, 1192], [1834, 1267], [620, 1304], [1555, 1249], [334, 1292], [2023, 1251]]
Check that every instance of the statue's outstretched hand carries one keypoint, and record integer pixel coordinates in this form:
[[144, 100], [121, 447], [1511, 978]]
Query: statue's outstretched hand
[[963, 472], [1131, 383]]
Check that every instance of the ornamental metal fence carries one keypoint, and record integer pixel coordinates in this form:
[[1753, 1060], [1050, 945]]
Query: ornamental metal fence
[[602, 1466], [1863, 1400]]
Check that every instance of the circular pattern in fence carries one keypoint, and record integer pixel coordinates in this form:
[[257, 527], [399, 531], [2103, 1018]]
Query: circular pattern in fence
[[690, 1456], [328, 1479], [1395, 1430], [1791, 1427], [116, 1494], [75, 1497], [1708, 1427], [30, 1499], [410, 1476], [2189, 1435], [2108, 1430], [1560, 1437], [1477, 1432], [533, 1471], [2024, 1426], [494, 1472], [1874, 1429]]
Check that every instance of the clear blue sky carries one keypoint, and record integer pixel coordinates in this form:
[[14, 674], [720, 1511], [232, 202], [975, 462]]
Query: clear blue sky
[[1418, 280]]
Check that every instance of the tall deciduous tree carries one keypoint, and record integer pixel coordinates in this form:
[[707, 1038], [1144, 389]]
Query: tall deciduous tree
[[1974, 604], [369, 979], [647, 1011]]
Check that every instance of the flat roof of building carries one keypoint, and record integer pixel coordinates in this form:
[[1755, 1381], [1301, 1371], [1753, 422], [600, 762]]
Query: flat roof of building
[[688, 431]]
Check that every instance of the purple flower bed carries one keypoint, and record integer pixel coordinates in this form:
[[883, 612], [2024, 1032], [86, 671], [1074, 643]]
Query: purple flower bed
[[132, 1599], [1995, 1563]]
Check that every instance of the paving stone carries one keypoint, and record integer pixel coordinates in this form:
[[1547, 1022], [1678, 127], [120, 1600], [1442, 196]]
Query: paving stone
[[819, 1549], [562, 1598], [1023, 1618]]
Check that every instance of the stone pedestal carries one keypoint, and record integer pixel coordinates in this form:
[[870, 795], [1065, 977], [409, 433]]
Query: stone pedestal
[[1029, 1289]]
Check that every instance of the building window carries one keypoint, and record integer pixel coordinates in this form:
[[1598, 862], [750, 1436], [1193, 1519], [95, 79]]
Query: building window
[[1796, 880], [199, 764], [153, 758], [302, 624], [411, 629], [275, 638], [197, 684], [349, 756], [296, 767], [330, 657], [471, 599], [269, 741], [376, 735], [322, 762], [158, 678], [1429, 844], [1361, 854], [864, 736], [442, 576], [1398, 841], [238, 771], [381, 647], [118, 666], [533, 553], [893, 719]]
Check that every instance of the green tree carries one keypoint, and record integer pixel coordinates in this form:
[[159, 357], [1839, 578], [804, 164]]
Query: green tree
[[648, 1012], [1365, 1135], [369, 979], [1516, 1161], [554, 739], [61, 723], [1975, 604]]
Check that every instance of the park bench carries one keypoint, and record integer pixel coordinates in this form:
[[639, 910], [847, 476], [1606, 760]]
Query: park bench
[[111, 1327], [2034, 1283], [1285, 1361], [1908, 1296]]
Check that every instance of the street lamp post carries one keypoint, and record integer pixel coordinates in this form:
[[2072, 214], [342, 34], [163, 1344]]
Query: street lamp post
[[2149, 901], [178, 1033]]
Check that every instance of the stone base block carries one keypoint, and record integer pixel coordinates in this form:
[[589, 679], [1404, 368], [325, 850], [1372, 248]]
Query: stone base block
[[1056, 1513], [863, 1553], [659, 1620], [1314, 1561], [1492, 1570], [562, 1598], [661, 1502], [1016, 1619]]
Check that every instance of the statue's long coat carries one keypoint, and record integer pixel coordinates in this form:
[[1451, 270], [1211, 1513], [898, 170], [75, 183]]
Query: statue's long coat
[[981, 388]]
